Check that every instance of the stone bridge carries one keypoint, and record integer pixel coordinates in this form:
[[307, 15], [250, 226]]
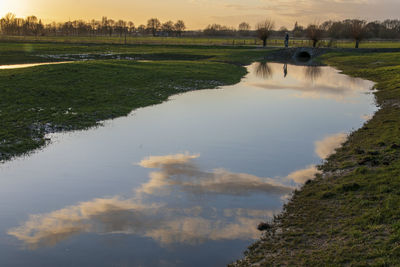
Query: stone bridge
[[299, 55]]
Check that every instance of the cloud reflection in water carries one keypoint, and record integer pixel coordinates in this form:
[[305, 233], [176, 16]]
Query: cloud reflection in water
[[168, 225], [180, 172], [158, 221]]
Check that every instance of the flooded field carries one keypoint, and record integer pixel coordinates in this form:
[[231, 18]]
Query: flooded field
[[183, 183]]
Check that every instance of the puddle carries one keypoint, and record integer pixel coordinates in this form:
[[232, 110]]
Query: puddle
[[183, 183], [20, 66]]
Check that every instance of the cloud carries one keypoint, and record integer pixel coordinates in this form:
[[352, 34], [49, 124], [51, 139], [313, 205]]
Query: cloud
[[329, 144], [179, 172]]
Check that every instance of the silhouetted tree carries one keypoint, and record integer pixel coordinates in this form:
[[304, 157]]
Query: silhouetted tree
[[153, 25], [358, 30], [314, 33], [244, 28], [168, 27], [345, 29], [264, 30], [218, 30], [298, 30], [131, 27], [142, 29], [179, 27], [111, 24], [120, 27]]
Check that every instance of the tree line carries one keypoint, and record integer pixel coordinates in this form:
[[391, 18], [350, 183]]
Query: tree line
[[33, 26], [355, 29]]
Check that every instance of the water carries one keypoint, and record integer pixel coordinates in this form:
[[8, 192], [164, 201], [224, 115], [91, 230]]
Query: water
[[21, 66], [184, 183]]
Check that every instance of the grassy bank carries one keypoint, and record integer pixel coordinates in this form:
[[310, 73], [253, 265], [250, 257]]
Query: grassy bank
[[50, 98], [350, 214]]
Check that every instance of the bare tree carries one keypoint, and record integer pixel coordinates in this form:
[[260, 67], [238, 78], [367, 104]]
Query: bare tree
[[314, 33], [168, 27], [244, 28], [179, 27], [111, 26], [358, 30], [120, 27], [264, 30], [218, 30], [131, 27], [153, 25], [298, 30], [141, 29]]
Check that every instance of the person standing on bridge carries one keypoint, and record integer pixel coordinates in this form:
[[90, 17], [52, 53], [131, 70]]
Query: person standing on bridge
[[287, 40]]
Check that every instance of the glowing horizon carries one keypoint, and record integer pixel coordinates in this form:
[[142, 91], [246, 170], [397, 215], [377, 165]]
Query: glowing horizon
[[197, 14]]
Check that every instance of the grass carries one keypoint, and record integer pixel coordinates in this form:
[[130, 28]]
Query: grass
[[14, 53], [50, 98], [211, 41], [350, 214]]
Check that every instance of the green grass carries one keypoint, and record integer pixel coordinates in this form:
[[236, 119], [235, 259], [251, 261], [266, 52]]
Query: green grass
[[238, 41], [37, 100], [349, 215], [13, 53], [211, 41]]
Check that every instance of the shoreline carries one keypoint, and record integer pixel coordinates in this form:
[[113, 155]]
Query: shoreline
[[346, 215]]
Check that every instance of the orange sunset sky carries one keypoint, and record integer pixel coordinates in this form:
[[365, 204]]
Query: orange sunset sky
[[197, 14]]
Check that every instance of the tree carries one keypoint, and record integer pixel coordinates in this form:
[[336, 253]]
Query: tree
[[131, 27], [244, 28], [168, 27], [358, 30], [120, 27], [111, 24], [153, 25], [264, 30], [141, 29], [314, 33], [179, 27], [298, 31], [336, 30], [218, 30]]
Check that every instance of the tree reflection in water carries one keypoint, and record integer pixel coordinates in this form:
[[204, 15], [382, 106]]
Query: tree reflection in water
[[312, 73], [263, 70]]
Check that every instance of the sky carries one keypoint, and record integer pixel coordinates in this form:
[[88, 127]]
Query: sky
[[197, 14]]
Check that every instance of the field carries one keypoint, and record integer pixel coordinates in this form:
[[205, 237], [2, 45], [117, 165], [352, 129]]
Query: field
[[49, 98], [349, 215], [225, 41]]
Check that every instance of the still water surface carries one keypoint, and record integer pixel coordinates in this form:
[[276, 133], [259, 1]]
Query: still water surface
[[29, 65], [183, 183]]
